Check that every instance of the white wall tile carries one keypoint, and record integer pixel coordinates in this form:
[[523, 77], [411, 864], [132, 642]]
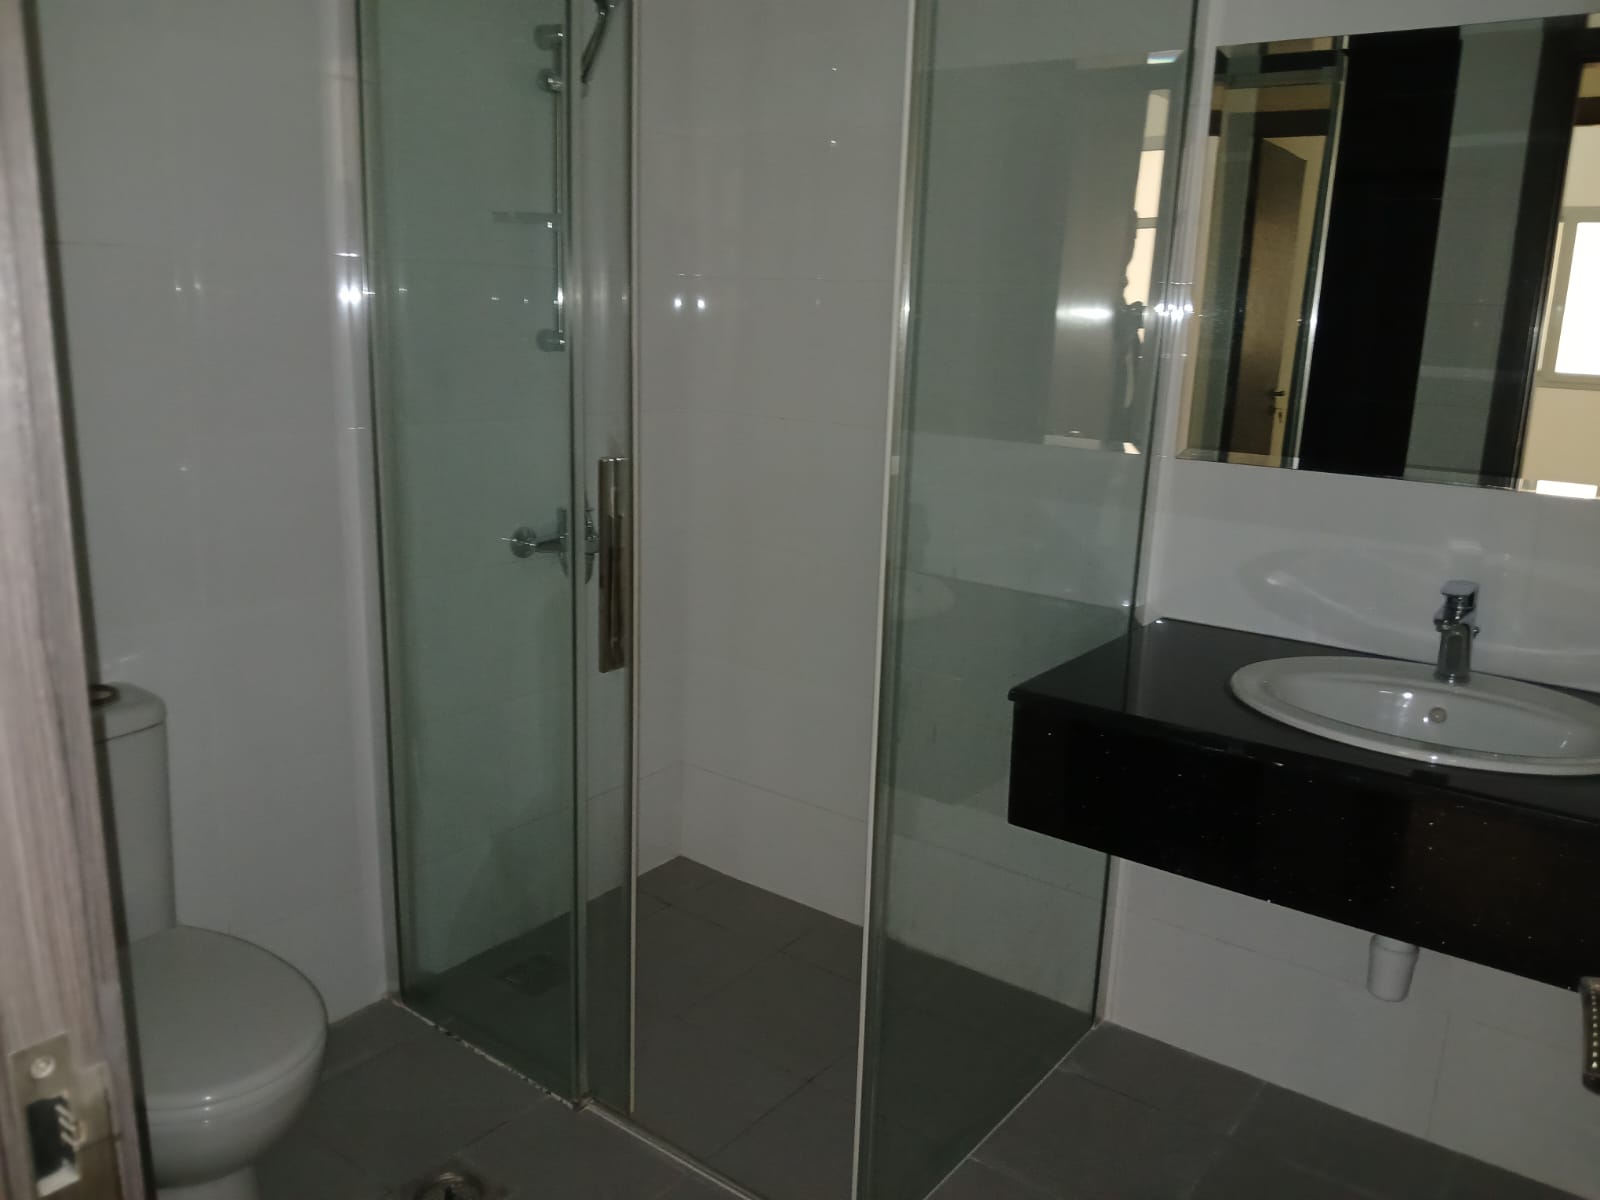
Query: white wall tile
[[328, 941], [108, 112], [660, 816], [245, 165], [268, 508], [1034, 934], [797, 850], [260, 349], [787, 734], [1518, 1103], [1358, 563], [294, 36], [1326, 947], [1295, 1027], [125, 318], [142, 529], [201, 177], [768, 201]]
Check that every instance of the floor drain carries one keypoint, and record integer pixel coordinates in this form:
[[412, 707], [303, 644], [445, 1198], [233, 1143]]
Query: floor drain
[[534, 976], [450, 1185]]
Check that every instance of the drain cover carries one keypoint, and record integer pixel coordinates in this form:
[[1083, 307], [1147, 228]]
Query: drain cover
[[450, 1185], [534, 976]]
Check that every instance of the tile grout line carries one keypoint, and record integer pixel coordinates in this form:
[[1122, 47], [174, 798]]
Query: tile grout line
[[772, 954], [693, 1165]]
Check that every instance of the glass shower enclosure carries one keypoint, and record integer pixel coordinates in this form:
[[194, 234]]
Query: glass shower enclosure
[[1043, 171], [502, 413], [1043, 179]]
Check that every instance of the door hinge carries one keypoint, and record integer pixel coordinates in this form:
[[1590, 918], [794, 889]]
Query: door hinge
[[66, 1113]]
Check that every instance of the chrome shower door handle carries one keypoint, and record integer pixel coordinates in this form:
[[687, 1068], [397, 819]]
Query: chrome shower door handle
[[616, 563]]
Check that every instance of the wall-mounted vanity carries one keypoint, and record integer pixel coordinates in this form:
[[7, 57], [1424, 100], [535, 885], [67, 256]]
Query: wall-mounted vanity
[[1397, 272], [1139, 749]]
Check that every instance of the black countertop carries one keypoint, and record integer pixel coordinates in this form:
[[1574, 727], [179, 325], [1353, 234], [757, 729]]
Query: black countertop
[[1176, 675], [1140, 749]]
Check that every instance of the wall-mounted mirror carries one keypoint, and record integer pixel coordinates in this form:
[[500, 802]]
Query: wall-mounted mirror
[[1399, 262]]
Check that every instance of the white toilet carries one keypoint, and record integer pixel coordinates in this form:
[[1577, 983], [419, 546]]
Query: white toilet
[[230, 1037]]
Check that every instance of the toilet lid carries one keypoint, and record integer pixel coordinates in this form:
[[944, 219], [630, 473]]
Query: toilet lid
[[218, 1017]]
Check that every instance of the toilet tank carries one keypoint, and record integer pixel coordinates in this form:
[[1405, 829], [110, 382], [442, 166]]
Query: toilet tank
[[131, 732]]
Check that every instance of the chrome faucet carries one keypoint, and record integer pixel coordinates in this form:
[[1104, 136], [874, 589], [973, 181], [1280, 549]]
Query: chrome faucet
[[1456, 630]]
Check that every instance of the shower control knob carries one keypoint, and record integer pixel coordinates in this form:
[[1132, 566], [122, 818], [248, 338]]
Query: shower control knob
[[525, 541]]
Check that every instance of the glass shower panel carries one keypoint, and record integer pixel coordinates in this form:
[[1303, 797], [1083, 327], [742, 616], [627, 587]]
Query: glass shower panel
[[1042, 201], [599, 279], [473, 403]]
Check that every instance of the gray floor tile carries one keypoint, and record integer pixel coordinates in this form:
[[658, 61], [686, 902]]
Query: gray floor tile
[[1375, 1159], [906, 1162], [551, 1151], [683, 959], [979, 1002], [649, 905], [792, 1014], [698, 1187], [1181, 1084], [754, 912], [300, 1167], [801, 1150], [1074, 1138], [1475, 1180], [941, 1078], [842, 1074], [974, 1181], [700, 1090], [368, 1033], [834, 945], [677, 878], [518, 1023], [414, 1106], [1248, 1173]]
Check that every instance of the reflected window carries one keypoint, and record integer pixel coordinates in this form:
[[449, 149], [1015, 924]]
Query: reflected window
[[1573, 349]]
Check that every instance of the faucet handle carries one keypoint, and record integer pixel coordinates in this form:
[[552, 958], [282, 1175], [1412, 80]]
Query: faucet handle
[[1460, 602]]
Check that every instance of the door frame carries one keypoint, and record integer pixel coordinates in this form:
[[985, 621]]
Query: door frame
[[59, 959]]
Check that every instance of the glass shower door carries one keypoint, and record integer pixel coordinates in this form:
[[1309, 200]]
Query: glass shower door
[[495, 535], [1040, 208]]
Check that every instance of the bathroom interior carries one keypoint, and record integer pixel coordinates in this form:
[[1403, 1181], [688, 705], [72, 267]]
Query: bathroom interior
[[804, 601]]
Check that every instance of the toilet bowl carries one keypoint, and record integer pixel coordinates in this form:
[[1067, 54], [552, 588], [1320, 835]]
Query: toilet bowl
[[230, 1037]]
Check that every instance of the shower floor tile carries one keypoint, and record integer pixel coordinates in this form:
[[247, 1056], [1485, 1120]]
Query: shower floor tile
[[748, 1013], [399, 1099]]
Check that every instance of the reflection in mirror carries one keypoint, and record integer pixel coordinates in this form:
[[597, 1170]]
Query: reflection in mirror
[[1050, 326], [1399, 268]]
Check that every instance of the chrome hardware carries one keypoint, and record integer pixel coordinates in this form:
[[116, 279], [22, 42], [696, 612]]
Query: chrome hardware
[[597, 38], [1589, 992], [1456, 631], [525, 542], [553, 38], [451, 1183], [616, 574]]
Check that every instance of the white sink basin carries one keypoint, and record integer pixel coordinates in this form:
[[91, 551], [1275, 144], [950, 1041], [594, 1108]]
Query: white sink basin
[[1399, 708]]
